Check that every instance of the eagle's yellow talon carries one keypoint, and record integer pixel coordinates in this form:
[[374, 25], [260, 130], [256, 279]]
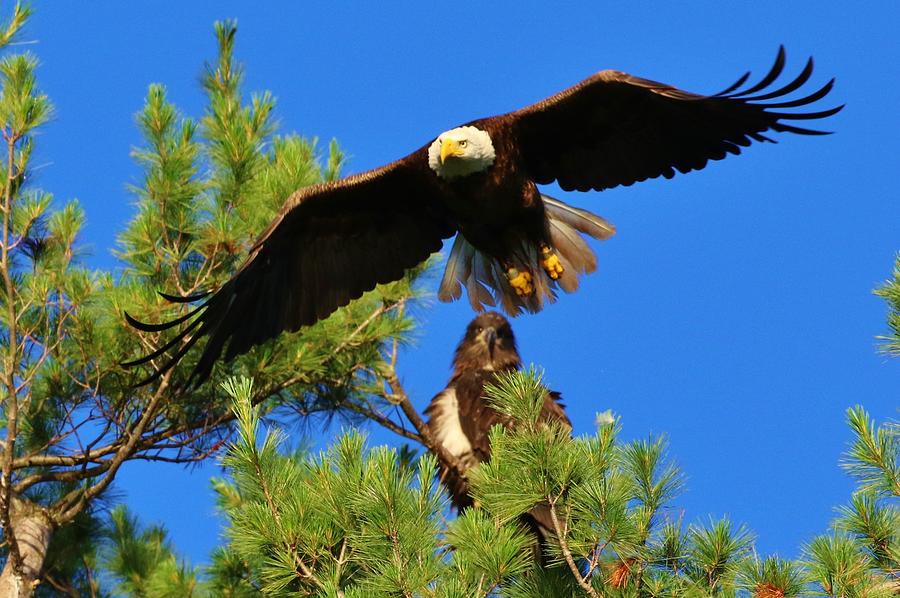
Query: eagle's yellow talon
[[520, 281], [552, 266]]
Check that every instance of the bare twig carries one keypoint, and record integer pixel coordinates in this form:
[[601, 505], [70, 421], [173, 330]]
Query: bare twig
[[399, 396], [382, 420], [89, 573], [63, 588], [567, 553], [67, 475], [381, 309], [73, 503]]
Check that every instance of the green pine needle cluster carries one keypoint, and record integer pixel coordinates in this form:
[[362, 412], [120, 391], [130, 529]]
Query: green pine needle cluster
[[347, 522], [890, 292], [143, 561]]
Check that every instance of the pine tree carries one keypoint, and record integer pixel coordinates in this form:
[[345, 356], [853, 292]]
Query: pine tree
[[71, 414], [353, 521], [358, 521], [143, 560]]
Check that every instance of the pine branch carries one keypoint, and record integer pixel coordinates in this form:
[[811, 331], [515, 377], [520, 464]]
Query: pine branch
[[399, 396], [19, 17], [75, 502], [873, 457], [383, 421], [567, 553], [248, 421], [890, 292]]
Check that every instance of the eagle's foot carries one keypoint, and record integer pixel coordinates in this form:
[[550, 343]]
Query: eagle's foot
[[552, 266], [520, 281]]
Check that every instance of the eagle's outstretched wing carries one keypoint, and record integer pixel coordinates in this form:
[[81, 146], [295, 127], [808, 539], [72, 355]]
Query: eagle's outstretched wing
[[329, 245], [615, 129]]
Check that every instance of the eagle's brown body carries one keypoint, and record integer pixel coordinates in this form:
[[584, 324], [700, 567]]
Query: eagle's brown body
[[333, 242], [495, 214], [460, 418]]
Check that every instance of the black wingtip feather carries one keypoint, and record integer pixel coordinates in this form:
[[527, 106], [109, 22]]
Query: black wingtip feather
[[795, 84], [817, 95], [171, 363], [806, 115], [163, 326], [782, 128], [185, 298], [770, 77], [144, 326], [165, 347], [147, 327], [741, 80]]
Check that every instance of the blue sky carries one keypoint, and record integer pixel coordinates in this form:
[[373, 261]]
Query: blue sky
[[732, 311]]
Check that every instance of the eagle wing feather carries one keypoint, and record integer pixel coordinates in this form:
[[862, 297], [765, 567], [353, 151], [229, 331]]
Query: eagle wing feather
[[329, 244], [617, 129]]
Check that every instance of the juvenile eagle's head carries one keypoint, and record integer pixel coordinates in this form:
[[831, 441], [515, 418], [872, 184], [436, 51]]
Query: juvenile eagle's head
[[489, 344], [460, 152]]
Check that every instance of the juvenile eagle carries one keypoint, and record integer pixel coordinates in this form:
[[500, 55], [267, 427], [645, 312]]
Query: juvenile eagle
[[459, 417], [515, 247]]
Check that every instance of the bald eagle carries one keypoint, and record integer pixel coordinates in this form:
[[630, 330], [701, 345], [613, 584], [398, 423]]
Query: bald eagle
[[515, 246], [460, 418]]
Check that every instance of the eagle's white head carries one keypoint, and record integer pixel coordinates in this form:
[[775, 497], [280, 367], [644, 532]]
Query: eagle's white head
[[460, 152]]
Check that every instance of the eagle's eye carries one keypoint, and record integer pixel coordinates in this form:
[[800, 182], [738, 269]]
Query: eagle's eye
[[478, 329], [463, 143]]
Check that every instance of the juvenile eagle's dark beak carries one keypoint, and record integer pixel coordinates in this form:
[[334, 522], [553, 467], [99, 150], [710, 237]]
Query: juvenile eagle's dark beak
[[490, 337]]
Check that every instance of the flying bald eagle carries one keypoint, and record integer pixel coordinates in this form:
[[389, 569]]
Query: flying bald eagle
[[459, 417], [515, 246]]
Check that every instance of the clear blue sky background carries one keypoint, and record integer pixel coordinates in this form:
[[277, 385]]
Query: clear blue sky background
[[732, 311]]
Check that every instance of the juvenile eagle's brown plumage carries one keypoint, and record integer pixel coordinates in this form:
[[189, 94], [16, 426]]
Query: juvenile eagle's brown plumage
[[460, 418], [333, 242]]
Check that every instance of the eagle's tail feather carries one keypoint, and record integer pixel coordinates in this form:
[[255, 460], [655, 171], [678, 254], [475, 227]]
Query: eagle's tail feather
[[577, 258], [480, 281], [485, 278], [565, 223], [457, 269], [581, 220]]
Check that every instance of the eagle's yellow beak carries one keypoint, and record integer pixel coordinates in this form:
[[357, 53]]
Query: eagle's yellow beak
[[449, 147]]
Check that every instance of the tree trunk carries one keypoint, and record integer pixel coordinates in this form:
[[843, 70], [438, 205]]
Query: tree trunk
[[33, 530]]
